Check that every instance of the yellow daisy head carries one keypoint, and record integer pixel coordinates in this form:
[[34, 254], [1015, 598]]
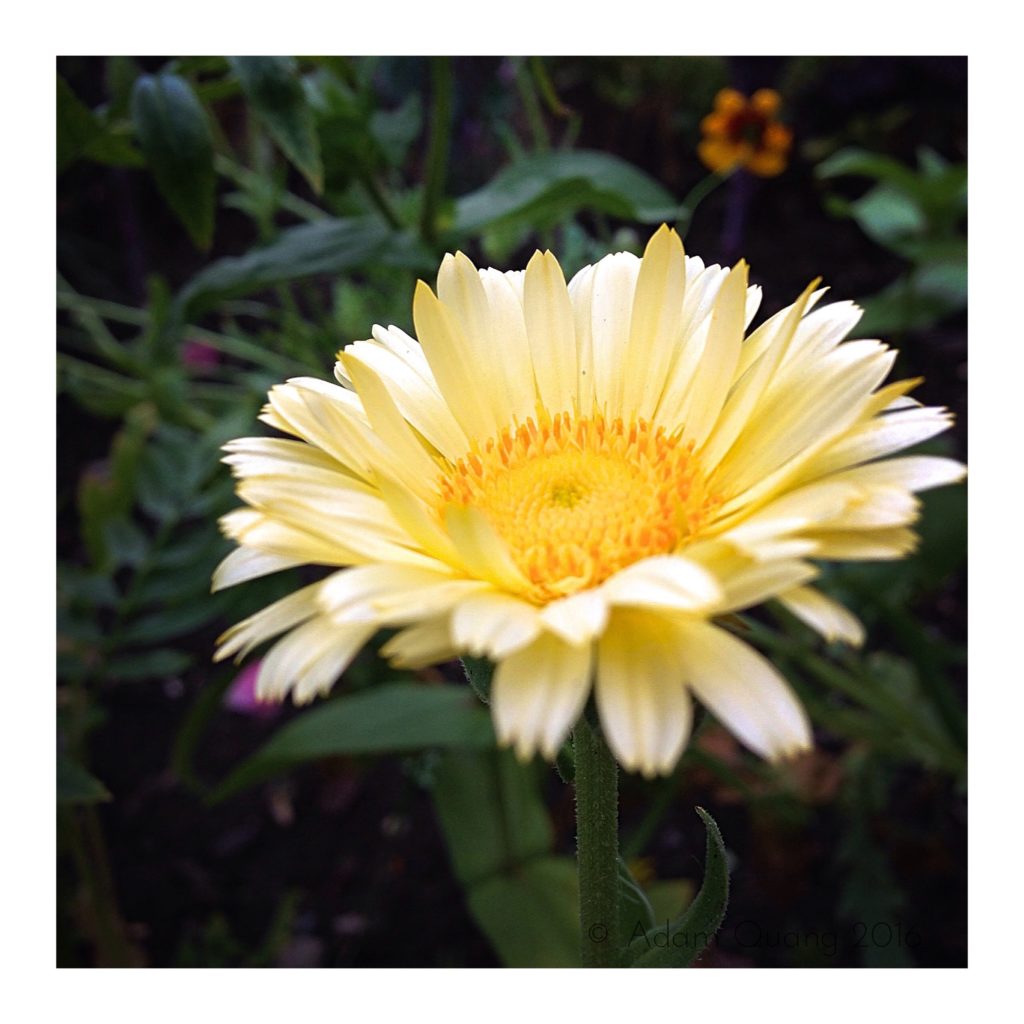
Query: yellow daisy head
[[741, 132], [576, 481]]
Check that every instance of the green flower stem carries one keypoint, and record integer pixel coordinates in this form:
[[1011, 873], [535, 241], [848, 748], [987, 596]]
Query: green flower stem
[[696, 195], [437, 151], [597, 839]]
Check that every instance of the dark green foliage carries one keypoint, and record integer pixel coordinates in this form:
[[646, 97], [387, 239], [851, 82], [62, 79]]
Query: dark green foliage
[[174, 134]]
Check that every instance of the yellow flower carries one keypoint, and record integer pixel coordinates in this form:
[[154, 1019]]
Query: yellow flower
[[744, 133], [576, 481]]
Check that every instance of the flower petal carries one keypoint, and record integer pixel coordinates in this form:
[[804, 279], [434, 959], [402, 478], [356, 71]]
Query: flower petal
[[552, 332], [655, 323], [494, 624], [744, 691], [538, 693], [820, 612], [645, 711]]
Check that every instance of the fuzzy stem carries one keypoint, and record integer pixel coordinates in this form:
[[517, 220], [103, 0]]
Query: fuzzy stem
[[597, 838]]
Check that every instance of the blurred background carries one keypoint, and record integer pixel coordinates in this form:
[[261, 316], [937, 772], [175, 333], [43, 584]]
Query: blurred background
[[226, 223]]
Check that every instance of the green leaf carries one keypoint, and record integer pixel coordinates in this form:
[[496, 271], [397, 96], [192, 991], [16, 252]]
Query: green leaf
[[395, 717], [917, 301], [491, 812], [106, 491], [272, 86], [396, 130], [480, 673], [328, 246], [889, 217], [148, 665], [169, 623], [862, 163], [531, 917], [81, 134], [174, 133], [75, 785], [500, 838], [635, 910], [120, 74], [681, 943], [669, 896], [551, 187]]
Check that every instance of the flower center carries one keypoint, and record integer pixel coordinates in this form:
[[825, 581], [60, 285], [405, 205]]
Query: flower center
[[578, 499], [747, 126]]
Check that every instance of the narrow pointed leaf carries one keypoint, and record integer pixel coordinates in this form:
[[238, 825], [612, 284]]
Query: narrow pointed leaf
[[393, 718], [174, 134], [682, 942], [75, 785], [272, 86]]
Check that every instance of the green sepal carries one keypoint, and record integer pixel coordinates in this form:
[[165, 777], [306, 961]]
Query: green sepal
[[565, 762], [480, 673], [680, 943]]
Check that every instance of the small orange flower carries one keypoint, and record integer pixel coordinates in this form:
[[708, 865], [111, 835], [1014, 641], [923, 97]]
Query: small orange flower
[[743, 133]]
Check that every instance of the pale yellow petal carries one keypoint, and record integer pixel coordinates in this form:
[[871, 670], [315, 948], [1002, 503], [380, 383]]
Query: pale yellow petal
[[912, 472], [865, 545], [468, 387], [538, 693], [655, 323], [578, 618], [327, 416], [348, 521], [714, 373], [409, 461], [418, 400], [820, 612], [664, 581], [309, 659], [747, 581], [245, 564], [494, 624], [392, 594], [645, 711], [751, 386], [509, 339], [425, 643], [882, 436], [611, 303], [496, 333], [581, 295], [480, 548], [552, 333], [241, 638], [417, 520], [260, 531], [744, 691], [802, 422]]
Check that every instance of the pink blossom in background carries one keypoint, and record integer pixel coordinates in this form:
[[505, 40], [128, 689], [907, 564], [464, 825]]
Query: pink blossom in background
[[197, 355], [241, 695]]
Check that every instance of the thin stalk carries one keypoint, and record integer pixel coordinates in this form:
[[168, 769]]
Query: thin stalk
[[245, 178], [531, 107], [597, 838], [437, 151], [696, 195], [380, 200], [230, 345]]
